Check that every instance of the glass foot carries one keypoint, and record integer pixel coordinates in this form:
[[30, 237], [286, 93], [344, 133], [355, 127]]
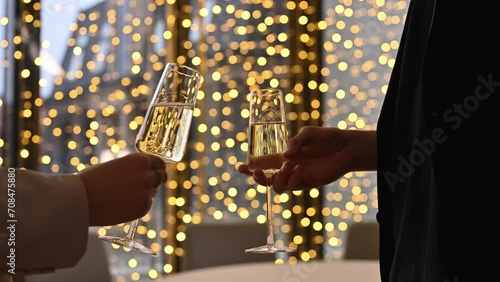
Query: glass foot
[[270, 249], [128, 243]]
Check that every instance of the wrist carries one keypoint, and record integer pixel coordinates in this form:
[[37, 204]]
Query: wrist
[[362, 147]]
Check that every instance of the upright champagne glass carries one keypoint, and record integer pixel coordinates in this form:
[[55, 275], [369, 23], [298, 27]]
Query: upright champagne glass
[[165, 129], [267, 135]]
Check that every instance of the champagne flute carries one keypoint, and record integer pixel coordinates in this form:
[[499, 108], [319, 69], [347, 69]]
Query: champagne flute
[[267, 134], [165, 129]]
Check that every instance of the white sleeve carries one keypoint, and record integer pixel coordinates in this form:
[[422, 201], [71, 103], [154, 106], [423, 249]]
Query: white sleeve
[[44, 221]]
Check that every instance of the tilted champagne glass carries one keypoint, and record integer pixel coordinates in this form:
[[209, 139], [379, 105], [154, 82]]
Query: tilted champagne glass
[[267, 134], [165, 129]]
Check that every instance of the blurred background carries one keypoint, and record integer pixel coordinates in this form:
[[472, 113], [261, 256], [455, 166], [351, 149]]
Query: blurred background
[[77, 77]]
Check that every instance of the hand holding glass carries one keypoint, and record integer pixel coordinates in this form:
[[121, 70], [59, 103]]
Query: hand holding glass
[[267, 135], [165, 129]]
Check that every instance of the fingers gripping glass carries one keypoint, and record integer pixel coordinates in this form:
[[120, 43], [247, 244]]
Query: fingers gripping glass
[[267, 134], [165, 129]]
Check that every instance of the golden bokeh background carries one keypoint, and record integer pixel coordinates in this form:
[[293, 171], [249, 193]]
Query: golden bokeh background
[[77, 79]]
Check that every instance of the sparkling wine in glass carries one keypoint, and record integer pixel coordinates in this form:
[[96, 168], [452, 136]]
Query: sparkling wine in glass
[[165, 130], [267, 135]]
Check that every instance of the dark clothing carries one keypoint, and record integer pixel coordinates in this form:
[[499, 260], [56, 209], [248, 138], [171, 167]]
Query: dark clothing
[[438, 146]]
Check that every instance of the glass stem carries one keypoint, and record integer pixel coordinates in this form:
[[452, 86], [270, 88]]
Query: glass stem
[[132, 229], [270, 233]]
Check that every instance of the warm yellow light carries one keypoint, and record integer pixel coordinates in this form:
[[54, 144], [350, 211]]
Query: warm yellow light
[[153, 274], [168, 268], [218, 215], [261, 219], [135, 276], [132, 263], [25, 73], [181, 236], [305, 222], [24, 153]]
